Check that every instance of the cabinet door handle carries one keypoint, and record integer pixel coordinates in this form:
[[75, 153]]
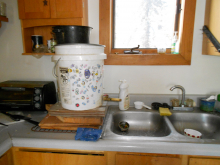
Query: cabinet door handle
[[45, 2]]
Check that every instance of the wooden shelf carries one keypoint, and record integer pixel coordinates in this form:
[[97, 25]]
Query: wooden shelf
[[3, 18], [38, 54]]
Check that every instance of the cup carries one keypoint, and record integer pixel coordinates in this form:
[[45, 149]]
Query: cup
[[37, 40], [140, 105], [189, 103], [175, 102], [207, 106]]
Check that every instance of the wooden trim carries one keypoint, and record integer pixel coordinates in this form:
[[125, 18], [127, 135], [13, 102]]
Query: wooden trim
[[105, 33], [85, 13], [211, 16]]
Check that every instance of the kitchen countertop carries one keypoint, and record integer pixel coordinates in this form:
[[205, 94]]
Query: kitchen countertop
[[21, 135]]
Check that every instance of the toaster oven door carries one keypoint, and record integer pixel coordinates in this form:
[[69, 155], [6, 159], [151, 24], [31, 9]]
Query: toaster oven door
[[16, 98]]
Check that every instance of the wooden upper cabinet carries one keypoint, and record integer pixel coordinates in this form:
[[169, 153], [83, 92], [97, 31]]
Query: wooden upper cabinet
[[38, 9], [33, 9], [66, 8]]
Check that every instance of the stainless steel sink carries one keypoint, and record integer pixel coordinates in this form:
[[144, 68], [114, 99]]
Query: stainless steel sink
[[207, 124], [140, 124], [149, 125]]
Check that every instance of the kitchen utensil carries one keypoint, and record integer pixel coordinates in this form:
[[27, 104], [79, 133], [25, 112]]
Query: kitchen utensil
[[140, 105], [207, 106], [72, 34], [3, 124], [123, 125], [192, 133], [19, 117]]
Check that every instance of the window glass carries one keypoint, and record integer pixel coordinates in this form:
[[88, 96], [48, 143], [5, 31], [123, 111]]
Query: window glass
[[148, 23]]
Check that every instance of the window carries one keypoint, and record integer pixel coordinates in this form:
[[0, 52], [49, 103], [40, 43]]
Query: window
[[148, 23], [116, 56]]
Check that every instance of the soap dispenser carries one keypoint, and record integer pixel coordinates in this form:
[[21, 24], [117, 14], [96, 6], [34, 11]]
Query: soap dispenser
[[124, 95]]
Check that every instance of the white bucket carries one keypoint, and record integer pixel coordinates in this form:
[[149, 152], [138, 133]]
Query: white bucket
[[79, 70]]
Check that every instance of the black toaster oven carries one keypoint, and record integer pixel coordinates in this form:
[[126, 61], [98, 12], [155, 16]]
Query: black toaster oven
[[27, 95]]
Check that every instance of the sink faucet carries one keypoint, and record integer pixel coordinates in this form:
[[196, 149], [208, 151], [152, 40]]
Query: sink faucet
[[183, 93], [182, 106]]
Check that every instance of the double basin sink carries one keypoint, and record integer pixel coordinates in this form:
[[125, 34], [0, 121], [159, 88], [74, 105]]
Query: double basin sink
[[149, 125]]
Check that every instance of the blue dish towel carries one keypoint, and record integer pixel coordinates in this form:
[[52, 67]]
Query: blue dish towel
[[88, 134]]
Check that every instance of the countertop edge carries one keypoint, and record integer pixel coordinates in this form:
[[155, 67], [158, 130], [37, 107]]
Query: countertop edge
[[112, 145]]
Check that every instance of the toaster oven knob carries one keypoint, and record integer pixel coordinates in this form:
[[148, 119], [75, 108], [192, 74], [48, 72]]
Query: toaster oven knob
[[36, 98], [37, 105], [37, 91]]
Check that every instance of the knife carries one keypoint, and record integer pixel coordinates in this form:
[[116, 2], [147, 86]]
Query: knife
[[19, 117]]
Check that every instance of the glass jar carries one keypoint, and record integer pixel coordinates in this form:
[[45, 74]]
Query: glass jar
[[53, 43], [2, 9]]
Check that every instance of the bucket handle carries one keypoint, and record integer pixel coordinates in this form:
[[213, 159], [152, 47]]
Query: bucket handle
[[54, 68]]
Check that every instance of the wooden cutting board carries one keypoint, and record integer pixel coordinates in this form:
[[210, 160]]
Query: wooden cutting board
[[52, 122], [81, 120], [58, 110]]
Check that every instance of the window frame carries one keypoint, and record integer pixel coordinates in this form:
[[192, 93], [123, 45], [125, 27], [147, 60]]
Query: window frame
[[148, 56]]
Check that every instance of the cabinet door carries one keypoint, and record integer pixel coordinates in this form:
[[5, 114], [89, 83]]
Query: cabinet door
[[31, 9], [6, 159], [143, 160], [66, 8], [203, 161], [43, 158]]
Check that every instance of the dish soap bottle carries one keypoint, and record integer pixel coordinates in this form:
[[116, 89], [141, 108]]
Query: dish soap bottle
[[124, 95], [174, 41]]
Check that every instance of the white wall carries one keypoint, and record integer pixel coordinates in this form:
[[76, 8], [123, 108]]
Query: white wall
[[201, 77]]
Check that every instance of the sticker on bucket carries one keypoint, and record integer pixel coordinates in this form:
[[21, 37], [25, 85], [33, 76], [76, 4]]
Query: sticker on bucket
[[81, 84], [65, 88]]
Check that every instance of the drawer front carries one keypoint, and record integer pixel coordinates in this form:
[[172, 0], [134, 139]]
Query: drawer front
[[145, 160], [44, 158], [204, 161]]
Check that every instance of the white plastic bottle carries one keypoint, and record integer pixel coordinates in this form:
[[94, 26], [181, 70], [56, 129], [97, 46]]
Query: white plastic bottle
[[174, 41], [124, 95]]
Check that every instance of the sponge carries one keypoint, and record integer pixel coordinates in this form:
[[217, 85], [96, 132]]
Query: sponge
[[164, 112]]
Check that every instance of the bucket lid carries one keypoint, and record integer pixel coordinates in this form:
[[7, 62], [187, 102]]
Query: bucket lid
[[79, 51], [79, 58]]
